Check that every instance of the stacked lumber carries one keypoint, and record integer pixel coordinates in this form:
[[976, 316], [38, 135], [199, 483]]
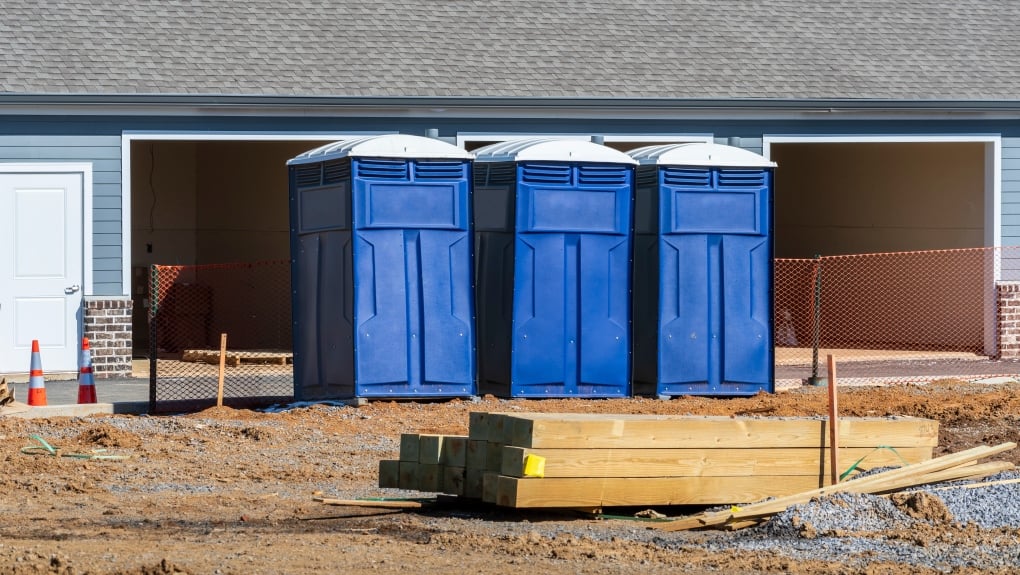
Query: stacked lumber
[[528, 460], [428, 462]]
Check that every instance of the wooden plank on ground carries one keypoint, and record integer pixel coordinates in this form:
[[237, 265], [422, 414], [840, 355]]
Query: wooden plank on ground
[[370, 503], [237, 357], [592, 431], [389, 473], [936, 469], [701, 462], [629, 491]]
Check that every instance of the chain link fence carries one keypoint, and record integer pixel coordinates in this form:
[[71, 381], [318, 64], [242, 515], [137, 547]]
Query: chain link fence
[[907, 317], [192, 308], [893, 317]]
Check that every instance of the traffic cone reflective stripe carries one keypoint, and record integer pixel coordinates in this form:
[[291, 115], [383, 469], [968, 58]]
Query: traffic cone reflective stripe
[[86, 384], [36, 383]]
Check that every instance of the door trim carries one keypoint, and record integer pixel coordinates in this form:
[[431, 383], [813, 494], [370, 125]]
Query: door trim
[[85, 170]]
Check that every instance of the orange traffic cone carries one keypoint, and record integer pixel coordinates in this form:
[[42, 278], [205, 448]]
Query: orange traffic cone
[[86, 384], [36, 383]]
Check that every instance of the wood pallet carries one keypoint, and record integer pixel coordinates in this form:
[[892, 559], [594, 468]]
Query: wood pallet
[[236, 358], [596, 460]]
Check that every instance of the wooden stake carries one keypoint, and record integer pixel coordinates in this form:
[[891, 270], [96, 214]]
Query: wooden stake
[[833, 422], [223, 358]]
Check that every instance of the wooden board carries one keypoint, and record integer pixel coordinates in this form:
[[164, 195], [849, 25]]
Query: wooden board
[[430, 448], [408, 475], [478, 425], [493, 456], [430, 477], [389, 473], [473, 478], [490, 487], [454, 451], [595, 431], [629, 491], [476, 450], [702, 462], [236, 358], [409, 447]]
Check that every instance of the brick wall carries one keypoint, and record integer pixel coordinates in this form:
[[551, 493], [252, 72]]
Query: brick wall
[[108, 327], [1007, 296]]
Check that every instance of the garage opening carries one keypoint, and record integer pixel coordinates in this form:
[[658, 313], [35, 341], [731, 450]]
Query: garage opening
[[206, 202], [904, 231], [859, 198]]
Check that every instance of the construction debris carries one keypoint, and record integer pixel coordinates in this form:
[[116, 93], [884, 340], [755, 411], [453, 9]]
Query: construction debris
[[962, 465]]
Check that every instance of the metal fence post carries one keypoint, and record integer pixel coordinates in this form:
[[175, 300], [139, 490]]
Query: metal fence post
[[817, 327]]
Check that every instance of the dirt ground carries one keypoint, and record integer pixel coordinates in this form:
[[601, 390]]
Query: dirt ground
[[230, 491]]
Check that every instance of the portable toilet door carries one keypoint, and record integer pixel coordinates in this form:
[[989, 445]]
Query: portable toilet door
[[553, 241], [381, 248], [703, 270]]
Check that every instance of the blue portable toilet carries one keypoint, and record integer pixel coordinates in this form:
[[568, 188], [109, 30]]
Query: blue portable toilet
[[381, 269], [703, 271], [552, 241]]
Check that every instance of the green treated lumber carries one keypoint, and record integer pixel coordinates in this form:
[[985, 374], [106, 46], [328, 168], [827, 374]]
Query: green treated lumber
[[430, 477], [430, 448], [408, 475], [473, 478], [409, 447], [476, 453], [389, 473], [454, 480], [453, 452]]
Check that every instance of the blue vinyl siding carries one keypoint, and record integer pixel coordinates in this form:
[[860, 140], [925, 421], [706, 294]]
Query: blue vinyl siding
[[103, 152], [1010, 191], [97, 139]]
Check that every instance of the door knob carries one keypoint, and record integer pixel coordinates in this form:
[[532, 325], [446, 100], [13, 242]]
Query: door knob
[[72, 289]]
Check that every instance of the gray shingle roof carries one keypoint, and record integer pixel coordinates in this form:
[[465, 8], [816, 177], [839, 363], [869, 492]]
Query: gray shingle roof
[[915, 50]]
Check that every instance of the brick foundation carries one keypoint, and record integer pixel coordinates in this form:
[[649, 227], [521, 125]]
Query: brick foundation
[[1007, 299], [108, 327]]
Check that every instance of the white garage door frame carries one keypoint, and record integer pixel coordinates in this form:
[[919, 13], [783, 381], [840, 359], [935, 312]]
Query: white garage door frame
[[465, 138], [992, 195], [129, 136]]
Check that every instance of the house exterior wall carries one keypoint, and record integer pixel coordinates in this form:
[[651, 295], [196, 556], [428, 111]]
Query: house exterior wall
[[98, 140], [108, 327], [103, 152]]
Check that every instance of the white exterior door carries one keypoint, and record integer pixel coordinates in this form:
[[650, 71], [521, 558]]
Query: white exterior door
[[41, 273]]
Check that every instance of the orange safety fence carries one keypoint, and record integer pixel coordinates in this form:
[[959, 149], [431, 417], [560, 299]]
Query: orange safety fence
[[192, 307], [904, 317], [894, 317]]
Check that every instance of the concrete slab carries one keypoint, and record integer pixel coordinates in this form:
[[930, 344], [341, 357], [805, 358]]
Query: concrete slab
[[80, 410]]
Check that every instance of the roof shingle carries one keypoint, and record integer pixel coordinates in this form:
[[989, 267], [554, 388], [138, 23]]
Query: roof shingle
[[914, 50]]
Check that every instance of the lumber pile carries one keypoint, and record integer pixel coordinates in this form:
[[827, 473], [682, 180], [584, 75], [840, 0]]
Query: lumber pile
[[530, 460], [962, 465]]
